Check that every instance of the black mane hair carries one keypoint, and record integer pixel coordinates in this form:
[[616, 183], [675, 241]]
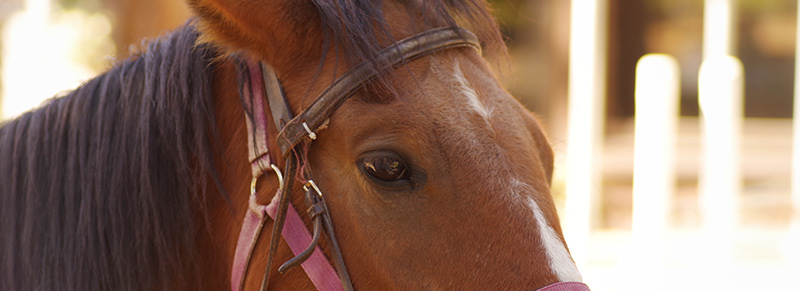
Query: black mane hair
[[359, 29], [99, 189]]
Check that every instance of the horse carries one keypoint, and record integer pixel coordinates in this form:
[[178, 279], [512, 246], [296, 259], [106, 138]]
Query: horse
[[147, 177]]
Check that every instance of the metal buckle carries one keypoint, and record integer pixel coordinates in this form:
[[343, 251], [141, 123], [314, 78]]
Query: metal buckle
[[314, 186], [311, 134]]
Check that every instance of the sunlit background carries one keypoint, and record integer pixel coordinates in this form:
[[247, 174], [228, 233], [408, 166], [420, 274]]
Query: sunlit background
[[671, 121], [50, 46]]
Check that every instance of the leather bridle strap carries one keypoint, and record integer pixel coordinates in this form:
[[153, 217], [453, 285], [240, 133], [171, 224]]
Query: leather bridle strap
[[281, 113], [312, 118]]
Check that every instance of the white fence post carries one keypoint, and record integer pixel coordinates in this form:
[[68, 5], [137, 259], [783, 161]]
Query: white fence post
[[656, 124], [718, 36], [587, 70], [721, 83], [721, 97]]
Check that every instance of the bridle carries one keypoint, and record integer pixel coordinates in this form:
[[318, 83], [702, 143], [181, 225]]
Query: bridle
[[258, 82], [295, 137]]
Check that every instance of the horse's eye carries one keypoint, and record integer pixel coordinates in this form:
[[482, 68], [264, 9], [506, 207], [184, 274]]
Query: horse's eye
[[385, 168]]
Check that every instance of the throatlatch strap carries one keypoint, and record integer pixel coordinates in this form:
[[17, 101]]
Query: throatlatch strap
[[281, 113]]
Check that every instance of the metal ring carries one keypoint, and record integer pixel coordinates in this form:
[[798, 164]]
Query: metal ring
[[311, 134], [277, 173], [253, 185]]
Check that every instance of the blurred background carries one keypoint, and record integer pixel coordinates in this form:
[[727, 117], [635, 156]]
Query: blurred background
[[655, 191]]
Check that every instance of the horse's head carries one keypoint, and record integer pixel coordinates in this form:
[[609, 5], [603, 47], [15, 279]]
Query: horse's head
[[435, 176], [446, 186]]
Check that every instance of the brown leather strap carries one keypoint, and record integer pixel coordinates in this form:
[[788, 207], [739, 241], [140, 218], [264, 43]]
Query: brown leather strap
[[333, 244], [280, 216], [281, 113], [403, 51]]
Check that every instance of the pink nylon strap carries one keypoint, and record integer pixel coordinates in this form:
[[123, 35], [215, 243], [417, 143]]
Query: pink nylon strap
[[257, 136], [317, 266], [296, 235], [565, 286], [248, 236]]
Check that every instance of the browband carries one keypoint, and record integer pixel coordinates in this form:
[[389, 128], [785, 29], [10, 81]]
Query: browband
[[401, 52]]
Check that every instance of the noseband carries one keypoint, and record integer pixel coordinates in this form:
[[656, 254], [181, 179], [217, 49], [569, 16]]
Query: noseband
[[259, 82]]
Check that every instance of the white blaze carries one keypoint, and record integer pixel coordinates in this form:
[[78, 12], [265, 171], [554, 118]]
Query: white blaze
[[558, 257], [561, 262], [472, 96]]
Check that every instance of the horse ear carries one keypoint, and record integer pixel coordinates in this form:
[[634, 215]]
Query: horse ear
[[280, 32]]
